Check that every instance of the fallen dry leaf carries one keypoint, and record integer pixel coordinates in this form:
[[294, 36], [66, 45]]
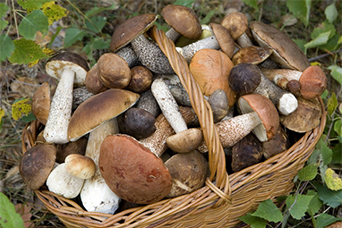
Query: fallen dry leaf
[[25, 212]]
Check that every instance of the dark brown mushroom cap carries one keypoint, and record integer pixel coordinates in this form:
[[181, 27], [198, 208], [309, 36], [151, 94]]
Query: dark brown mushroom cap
[[137, 122], [182, 19], [68, 60], [251, 54], [277, 144], [141, 79], [132, 171], [98, 109], [236, 23], [286, 52], [36, 165], [41, 101], [313, 82], [224, 38], [244, 78], [130, 29], [266, 111]]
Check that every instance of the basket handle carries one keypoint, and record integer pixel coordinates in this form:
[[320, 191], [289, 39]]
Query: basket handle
[[217, 160]]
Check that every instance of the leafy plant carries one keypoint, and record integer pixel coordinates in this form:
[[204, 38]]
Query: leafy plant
[[8, 216]]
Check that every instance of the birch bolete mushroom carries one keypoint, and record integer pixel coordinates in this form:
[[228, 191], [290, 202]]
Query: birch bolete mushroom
[[132, 31], [141, 79], [68, 67], [41, 102], [251, 54], [224, 39], [244, 78], [97, 116], [190, 137], [279, 143], [285, 51], [183, 21], [132, 171]]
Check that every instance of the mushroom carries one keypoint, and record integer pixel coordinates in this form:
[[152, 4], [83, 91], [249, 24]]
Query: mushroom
[[224, 39], [258, 115], [277, 144], [97, 116], [244, 79], [148, 103], [183, 21], [251, 54], [285, 51], [141, 79], [80, 94], [41, 102], [237, 25], [76, 147], [188, 172], [312, 80], [36, 165], [132, 31], [80, 166], [219, 104], [69, 68], [93, 82], [210, 68], [132, 171], [170, 109]]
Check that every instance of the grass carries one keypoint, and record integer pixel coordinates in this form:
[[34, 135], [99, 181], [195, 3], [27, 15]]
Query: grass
[[208, 11]]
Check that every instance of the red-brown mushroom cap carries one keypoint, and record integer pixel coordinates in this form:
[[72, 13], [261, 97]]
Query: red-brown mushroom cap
[[313, 82], [132, 171]]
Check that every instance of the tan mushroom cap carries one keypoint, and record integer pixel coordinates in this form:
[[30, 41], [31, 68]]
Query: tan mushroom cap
[[183, 19], [41, 102], [224, 38], [98, 109], [185, 141], [266, 111], [251, 54], [132, 171], [313, 82], [36, 165], [211, 69], [236, 23], [130, 29], [80, 166], [285, 52]]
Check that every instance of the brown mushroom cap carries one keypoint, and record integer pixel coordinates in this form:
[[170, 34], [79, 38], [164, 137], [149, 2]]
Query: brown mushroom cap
[[41, 101], [68, 60], [224, 38], [236, 23], [92, 81], [251, 54], [130, 29], [98, 109], [113, 71], [76, 147], [132, 171], [211, 69], [266, 111], [141, 79], [185, 141], [313, 82], [277, 144], [80, 166], [285, 52], [182, 19], [36, 165]]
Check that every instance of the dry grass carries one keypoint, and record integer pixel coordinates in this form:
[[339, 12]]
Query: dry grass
[[20, 81]]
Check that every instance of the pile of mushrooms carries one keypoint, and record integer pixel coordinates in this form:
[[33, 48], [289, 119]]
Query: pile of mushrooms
[[125, 127]]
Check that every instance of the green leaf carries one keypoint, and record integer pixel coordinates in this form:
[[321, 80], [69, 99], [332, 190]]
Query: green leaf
[[8, 216], [328, 196], [298, 205], [332, 44], [207, 18], [53, 11], [300, 43], [308, 173], [332, 103], [338, 127], [320, 40], [337, 155], [336, 73], [269, 211], [187, 3], [32, 23], [3, 25], [6, 46], [3, 9], [26, 51], [323, 27], [96, 10], [72, 35], [324, 220], [100, 44], [315, 203], [300, 9], [331, 13], [326, 153], [254, 222], [332, 180], [28, 118], [30, 5], [252, 3], [97, 24]]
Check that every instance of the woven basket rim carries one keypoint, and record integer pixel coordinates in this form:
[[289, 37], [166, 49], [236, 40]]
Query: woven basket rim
[[218, 189]]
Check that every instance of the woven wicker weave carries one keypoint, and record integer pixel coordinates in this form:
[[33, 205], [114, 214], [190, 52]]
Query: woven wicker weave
[[221, 201]]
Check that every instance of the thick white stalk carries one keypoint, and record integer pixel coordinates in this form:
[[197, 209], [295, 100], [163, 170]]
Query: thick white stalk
[[56, 128]]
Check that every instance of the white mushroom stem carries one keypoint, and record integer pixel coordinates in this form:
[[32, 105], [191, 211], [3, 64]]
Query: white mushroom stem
[[95, 194], [168, 105], [286, 73], [172, 34], [232, 130], [189, 50], [244, 41], [56, 128]]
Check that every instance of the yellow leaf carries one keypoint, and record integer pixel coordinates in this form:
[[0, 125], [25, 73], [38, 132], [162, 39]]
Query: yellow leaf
[[315, 64], [332, 180], [21, 108], [2, 113], [53, 12]]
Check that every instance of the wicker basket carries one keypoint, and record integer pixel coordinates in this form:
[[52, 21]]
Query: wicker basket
[[221, 201]]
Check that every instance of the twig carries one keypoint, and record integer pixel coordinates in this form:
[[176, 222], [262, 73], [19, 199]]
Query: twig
[[15, 19], [324, 55]]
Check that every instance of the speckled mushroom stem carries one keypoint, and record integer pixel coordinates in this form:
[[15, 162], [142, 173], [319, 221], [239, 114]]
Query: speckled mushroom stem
[[128, 54], [56, 128]]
